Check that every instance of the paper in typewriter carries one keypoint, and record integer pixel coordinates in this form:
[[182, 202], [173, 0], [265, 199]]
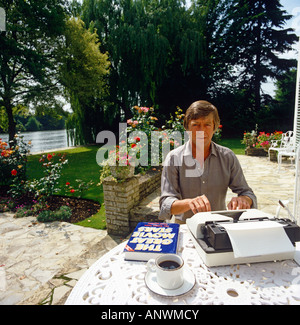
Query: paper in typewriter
[[258, 238]]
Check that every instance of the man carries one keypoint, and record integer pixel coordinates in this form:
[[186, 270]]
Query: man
[[196, 176]]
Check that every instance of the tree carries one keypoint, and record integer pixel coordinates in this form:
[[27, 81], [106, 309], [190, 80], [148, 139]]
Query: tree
[[84, 74], [200, 65], [258, 36], [131, 32], [28, 53], [282, 109], [33, 124]]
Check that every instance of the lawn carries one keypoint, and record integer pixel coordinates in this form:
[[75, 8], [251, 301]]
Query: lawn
[[82, 165], [234, 144]]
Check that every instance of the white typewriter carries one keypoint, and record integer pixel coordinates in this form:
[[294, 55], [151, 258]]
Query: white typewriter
[[242, 236]]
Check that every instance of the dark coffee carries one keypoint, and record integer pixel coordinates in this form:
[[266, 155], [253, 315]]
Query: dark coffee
[[169, 265]]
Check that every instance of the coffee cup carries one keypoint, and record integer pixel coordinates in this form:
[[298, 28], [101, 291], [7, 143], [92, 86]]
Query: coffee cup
[[168, 269]]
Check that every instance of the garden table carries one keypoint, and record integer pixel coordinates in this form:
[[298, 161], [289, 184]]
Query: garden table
[[114, 281]]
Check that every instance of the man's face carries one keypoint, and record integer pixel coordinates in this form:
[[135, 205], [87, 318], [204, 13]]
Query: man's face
[[202, 129]]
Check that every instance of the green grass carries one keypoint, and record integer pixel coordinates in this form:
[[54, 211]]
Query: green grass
[[81, 165], [234, 144]]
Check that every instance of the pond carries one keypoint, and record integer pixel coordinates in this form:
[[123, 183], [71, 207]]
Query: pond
[[44, 140]]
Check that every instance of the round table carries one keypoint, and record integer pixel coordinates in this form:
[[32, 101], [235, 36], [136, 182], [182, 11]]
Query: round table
[[114, 281]]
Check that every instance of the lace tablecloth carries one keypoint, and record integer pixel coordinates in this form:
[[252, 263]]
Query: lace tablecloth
[[113, 281]]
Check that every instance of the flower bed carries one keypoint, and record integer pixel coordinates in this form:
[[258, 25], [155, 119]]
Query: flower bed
[[259, 144]]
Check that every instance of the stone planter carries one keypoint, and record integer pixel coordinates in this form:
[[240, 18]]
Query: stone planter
[[122, 172], [273, 155], [256, 152], [121, 197]]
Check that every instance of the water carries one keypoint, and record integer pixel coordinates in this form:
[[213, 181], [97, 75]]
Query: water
[[43, 140]]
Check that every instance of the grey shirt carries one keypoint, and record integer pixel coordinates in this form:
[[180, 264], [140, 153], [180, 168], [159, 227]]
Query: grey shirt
[[183, 178]]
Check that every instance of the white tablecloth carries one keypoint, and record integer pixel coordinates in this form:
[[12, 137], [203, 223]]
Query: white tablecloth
[[113, 281]]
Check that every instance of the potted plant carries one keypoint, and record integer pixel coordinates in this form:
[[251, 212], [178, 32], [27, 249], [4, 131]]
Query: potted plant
[[118, 165], [250, 141]]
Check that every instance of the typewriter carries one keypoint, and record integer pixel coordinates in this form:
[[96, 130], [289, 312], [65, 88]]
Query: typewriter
[[213, 243]]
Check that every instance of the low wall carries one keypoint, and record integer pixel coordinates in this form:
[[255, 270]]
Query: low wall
[[121, 197]]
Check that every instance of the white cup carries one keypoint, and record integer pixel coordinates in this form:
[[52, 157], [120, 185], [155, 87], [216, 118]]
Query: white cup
[[169, 270]]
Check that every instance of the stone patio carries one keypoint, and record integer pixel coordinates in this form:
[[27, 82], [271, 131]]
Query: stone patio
[[41, 263]]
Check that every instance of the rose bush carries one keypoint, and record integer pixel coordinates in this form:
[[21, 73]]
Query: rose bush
[[13, 160]]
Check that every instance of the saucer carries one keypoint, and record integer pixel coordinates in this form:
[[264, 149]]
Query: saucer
[[188, 284]]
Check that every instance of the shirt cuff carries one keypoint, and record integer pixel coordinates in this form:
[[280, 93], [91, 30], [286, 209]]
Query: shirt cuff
[[165, 209]]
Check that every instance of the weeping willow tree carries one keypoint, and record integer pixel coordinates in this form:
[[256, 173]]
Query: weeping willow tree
[[84, 72], [130, 32], [161, 52]]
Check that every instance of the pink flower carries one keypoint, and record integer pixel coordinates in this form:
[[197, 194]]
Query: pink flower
[[145, 109]]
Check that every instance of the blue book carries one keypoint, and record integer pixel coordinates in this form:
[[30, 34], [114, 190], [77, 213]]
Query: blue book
[[150, 239]]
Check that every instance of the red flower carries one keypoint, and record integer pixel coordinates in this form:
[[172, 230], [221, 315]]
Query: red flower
[[133, 145], [67, 183], [14, 172], [49, 157], [72, 190], [137, 139]]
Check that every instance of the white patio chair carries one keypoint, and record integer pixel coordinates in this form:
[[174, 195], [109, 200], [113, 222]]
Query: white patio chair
[[285, 153], [286, 144]]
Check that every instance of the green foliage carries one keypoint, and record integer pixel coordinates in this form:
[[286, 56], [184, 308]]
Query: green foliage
[[62, 214], [47, 186], [167, 55], [176, 122], [29, 53], [261, 140], [33, 124], [13, 164], [83, 74], [257, 34], [77, 189]]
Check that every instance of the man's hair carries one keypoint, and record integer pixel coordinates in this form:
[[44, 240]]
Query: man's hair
[[199, 109]]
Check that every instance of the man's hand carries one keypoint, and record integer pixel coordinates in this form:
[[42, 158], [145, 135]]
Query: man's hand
[[199, 204], [240, 202]]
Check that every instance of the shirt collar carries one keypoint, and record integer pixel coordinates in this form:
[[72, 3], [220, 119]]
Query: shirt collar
[[188, 149]]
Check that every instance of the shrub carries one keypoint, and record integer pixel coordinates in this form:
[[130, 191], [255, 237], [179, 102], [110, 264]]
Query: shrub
[[48, 185], [62, 214], [23, 212], [13, 161]]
